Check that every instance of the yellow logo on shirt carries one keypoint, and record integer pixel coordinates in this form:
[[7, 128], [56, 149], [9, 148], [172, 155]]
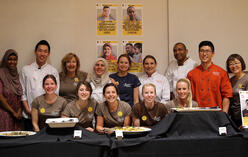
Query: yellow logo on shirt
[[144, 118], [240, 85], [42, 110], [119, 114], [90, 109], [76, 79]]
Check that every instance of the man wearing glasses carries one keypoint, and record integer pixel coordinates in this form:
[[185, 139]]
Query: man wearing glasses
[[211, 86]]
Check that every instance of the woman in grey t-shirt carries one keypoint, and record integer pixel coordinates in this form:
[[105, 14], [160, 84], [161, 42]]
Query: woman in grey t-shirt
[[112, 112], [83, 107]]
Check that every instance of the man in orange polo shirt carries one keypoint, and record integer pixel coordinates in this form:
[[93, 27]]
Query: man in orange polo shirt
[[211, 86]]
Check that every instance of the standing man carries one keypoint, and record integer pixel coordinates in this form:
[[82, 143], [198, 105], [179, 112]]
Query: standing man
[[31, 77], [180, 67], [211, 86]]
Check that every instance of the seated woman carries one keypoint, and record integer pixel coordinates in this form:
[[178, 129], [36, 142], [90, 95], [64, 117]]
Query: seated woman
[[48, 105], [151, 76], [236, 65], [83, 107], [127, 83], [148, 112], [70, 76], [98, 78], [184, 95], [10, 93], [112, 112]]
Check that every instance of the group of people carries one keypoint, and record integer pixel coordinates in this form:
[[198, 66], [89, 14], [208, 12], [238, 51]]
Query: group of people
[[101, 100]]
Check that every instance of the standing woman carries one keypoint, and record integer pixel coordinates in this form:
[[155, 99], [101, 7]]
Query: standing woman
[[128, 84], [236, 65], [184, 95], [112, 112], [152, 76], [48, 105], [98, 78], [10, 93], [83, 107], [70, 76], [148, 112]]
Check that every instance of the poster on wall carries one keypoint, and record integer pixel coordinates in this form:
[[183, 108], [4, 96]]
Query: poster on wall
[[244, 107], [108, 50], [132, 19], [134, 50], [106, 19]]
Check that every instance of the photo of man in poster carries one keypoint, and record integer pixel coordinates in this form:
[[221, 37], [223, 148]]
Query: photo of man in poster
[[129, 50], [106, 16], [131, 12]]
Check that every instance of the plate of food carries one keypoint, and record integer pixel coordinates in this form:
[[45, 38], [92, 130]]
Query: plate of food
[[195, 109], [16, 133], [62, 122], [130, 130]]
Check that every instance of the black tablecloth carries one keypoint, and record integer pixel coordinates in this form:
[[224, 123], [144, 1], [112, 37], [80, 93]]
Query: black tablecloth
[[178, 134]]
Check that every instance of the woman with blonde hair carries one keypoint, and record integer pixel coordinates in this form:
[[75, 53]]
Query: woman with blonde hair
[[184, 95], [148, 112], [70, 76]]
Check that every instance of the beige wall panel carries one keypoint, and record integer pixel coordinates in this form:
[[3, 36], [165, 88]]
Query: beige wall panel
[[70, 26], [224, 22]]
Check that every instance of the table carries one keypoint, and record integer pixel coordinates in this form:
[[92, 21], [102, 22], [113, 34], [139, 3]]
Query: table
[[178, 134]]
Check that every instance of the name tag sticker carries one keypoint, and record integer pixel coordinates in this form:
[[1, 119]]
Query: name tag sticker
[[118, 134], [222, 131], [77, 134]]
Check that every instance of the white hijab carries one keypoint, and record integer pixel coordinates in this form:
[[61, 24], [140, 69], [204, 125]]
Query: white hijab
[[104, 79]]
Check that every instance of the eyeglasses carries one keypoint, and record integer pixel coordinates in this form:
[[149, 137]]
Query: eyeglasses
[[234, 64], [206, 51]]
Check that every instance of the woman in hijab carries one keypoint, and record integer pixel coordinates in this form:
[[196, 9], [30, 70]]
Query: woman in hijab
[[98, 78], [108, 53], [10, 93]]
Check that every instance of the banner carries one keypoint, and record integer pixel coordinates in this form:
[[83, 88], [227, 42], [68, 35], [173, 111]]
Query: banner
[[106, 19], [132, 19], [244, 107]]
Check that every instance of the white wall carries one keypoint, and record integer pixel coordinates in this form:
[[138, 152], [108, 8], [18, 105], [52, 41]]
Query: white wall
[[70, 26], [224, 22]]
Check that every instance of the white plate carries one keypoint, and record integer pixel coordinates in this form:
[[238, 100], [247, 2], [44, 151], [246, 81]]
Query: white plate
[[195, 109], [62, 122], [16, 133]]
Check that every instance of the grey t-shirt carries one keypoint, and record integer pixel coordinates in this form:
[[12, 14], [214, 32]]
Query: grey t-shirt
[[46, 110], [85, 116], [115, 118]]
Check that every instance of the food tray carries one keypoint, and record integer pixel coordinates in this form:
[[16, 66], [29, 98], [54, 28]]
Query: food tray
[[132, 130], [16, 133], [195, 109], [62, 122]]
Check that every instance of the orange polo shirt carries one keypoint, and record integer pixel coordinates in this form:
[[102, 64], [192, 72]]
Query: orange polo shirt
[[210, 86]]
